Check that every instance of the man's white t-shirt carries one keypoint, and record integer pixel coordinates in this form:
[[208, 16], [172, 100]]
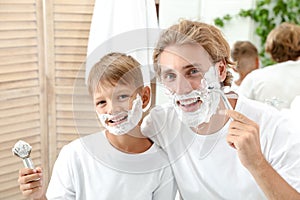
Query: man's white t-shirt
[[276, 85], [90, 168], [206, 167]]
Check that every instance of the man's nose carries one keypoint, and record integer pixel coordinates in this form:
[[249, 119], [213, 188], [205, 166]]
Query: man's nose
[[183, 86]]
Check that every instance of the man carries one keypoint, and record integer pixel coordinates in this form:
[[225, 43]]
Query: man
[[250, 152]]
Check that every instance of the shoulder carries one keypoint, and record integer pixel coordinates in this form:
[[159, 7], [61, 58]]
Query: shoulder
[[80, 146]]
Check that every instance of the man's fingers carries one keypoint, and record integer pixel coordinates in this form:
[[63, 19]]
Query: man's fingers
[[239, 117]]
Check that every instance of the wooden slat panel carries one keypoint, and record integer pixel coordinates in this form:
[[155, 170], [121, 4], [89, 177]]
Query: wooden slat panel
[[72, 34], [70, 66], [19, 127], [18, 51], [72, 26], [18, 84], [72, 18], [18, 42], [17, 8], [19, 118], [15, 103], [71, 42], [71, 91], [26, 25], [69, 99], [17, 166], [67, 137], [29, 58], [17, 1], [79, 9], [77, 123], [8, 34], [69, 74], [17, 111], [75, 107], [31, 136], [11, 94], [69, 81], [71, 115], [19, 67], [71, 50], [72, 2], [19, 17], [18, 76]]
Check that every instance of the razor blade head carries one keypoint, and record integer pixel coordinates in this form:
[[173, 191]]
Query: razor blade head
[[22, 149]]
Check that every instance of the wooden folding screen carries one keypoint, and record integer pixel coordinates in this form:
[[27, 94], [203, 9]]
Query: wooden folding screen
[[42, 51]]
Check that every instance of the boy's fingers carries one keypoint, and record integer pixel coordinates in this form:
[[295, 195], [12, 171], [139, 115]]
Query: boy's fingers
[[26, 171]]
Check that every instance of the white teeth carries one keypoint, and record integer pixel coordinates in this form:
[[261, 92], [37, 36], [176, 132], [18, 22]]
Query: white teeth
[[118, 119], [188, 101]]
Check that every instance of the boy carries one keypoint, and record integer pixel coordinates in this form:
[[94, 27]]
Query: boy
[[115, 163]]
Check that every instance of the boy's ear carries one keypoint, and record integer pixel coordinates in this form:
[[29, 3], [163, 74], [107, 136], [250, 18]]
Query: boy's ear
[[145, 96]]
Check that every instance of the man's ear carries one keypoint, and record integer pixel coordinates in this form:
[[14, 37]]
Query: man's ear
[[222, 70], [145, 94]]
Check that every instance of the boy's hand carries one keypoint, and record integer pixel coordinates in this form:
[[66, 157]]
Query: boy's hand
[[30, 181]]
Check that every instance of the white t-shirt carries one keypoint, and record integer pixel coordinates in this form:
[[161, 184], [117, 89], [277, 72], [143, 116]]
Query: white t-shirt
[[276, 85], [206, 167], [90, 168]]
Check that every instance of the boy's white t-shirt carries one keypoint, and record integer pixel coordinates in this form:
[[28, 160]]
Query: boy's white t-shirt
[[206, 167], [90, 168]]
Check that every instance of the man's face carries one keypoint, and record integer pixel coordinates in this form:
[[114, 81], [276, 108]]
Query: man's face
[[182, 69]]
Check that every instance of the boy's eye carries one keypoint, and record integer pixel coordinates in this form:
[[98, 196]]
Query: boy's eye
[[169, 77], [100, 103]]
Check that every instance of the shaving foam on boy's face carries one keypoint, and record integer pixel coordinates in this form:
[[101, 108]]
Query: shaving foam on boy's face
[[199, 105], [122, 122]]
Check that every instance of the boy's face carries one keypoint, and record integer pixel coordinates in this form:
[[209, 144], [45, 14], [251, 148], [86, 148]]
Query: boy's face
[[111, 100]]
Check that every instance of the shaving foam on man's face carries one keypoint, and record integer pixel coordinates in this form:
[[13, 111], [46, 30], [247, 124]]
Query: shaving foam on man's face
[[187, 105], [123, 122]]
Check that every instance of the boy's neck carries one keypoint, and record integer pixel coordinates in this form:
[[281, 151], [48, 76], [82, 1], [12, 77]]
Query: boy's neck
[[132, 143]]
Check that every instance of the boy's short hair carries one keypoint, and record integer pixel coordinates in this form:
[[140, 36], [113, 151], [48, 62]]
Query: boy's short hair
[[115, 68], [283, 42]]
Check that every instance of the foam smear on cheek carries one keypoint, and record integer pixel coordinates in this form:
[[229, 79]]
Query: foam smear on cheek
[[133, 117]]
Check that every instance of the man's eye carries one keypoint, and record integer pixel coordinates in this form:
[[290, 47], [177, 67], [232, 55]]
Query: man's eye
[[123, 97], [169, 77], [193, 71]]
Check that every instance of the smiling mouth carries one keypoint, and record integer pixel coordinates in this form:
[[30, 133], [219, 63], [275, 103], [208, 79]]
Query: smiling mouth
[[116, 120], [189, 105]]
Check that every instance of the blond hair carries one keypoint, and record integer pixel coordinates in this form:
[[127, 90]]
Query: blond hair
[[192, 32], [283, 42], [115, 68]]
